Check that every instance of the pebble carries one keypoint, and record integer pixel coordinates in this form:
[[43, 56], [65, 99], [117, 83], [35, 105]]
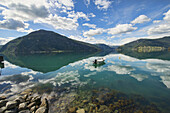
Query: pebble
[[22, 106], [11, 104], [42, 110], [80, 111], [2, 97]]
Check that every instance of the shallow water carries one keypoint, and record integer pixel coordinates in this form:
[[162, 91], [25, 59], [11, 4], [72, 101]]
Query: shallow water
[[149, 78]]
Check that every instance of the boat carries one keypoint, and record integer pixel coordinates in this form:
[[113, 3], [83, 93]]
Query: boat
[[99, 61]]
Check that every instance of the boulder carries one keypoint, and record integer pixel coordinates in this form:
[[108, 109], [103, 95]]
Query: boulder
[[33, 109], [2, 109], [2, 97], [37, 100], [22, 106], [31, 105], [80, 111], [42, 110], [11, 104], [11, 111], [25, 111], [44, 103], [72, 110], [19, 100], [3, 102]]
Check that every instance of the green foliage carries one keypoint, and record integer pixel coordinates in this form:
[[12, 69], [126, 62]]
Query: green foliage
[[46, 41], [161, 42]]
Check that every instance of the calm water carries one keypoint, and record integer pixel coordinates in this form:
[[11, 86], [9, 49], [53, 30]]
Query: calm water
[[148, 77]]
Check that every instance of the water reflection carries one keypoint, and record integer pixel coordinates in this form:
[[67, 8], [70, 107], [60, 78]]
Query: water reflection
[[147, 77]]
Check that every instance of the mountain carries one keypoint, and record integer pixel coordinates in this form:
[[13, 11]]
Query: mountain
[[104, 47], [146, 45], [43, 41]]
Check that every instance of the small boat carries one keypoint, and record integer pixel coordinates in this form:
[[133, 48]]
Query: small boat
[[99, 61]]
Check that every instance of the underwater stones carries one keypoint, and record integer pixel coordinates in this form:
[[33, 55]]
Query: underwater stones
[[80, 111], [11, 104], [2, 109], [22, 106], [31, 105], [37, 100], [72, 110], [3, 102], [44, 103], [11, 111], [25, 111], [85, 101], [2, 97], [41, 110], [33, 109]]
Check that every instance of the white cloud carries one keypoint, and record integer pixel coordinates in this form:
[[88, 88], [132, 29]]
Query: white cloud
[[166, 80], [78, 15], [139, 77], [91, 40], [59, 22], [3, 41], [39, 11], [102, 4], [25, 13], [167, 16], [12, 24], [121, 28], [92, 32], [160, 29], [156, 21], [141, 19], [87, 2], [89, 25]]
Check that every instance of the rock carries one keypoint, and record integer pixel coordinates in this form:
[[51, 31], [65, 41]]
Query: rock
[[85, 101], [31, 105], [42, 110], [80, 111], [44, 103], [25, 111], [36, 99], [2, 97], [19, 100], [33, 109], [72, 110], [25, 96], [11, 111], [2, 109], [3, 102], [11, 104], [22, 106], [27, 91], [29, 98]]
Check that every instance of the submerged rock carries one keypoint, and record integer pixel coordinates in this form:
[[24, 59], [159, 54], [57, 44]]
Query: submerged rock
[[22, 106], [72, 110], [3, 102], [42, 110], [80, 111], [11, 104], [2, 109], [25, 111], [2, 97], [31, 105]]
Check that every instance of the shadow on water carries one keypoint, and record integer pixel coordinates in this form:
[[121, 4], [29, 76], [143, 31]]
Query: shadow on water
[[46, 62]]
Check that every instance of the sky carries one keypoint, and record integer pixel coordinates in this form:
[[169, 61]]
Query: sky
[[112, 22]]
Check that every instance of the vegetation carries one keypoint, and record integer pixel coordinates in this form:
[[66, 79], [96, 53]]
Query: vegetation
[[146, 45], [44, 42]]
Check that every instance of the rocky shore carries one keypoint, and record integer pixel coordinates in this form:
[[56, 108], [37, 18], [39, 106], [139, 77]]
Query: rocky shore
[[24, 102]]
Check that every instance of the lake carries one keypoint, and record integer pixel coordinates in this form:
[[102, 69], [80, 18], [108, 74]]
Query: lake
[[122, 83]]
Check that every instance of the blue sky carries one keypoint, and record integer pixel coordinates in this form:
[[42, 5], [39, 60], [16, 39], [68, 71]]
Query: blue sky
[[113, 22]]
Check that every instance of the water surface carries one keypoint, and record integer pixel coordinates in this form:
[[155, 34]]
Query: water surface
[[147, 77]]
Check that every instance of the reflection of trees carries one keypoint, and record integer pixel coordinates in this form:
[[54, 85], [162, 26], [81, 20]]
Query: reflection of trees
[[150, 48]]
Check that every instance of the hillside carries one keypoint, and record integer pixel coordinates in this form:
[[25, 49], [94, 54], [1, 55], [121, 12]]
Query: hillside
[[147, 45], [43, 41]]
